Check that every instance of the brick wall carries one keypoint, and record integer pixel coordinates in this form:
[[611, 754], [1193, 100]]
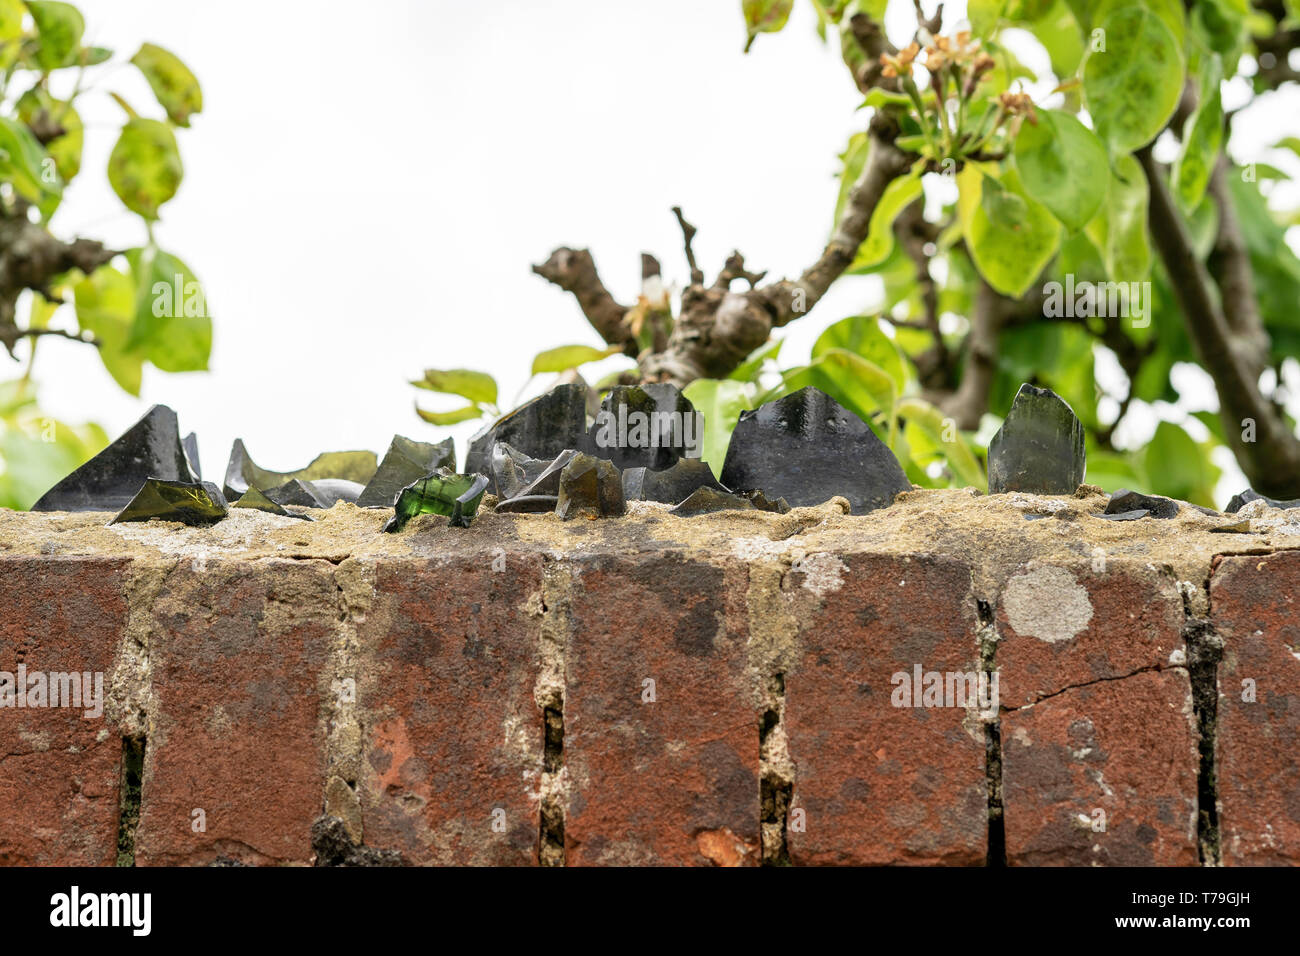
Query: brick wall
[[655, 690]]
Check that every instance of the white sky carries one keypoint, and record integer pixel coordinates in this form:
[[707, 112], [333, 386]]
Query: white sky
[[368, 185]]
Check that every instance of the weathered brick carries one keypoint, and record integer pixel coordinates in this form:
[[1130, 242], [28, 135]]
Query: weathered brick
[[879, 784], [240, 666], [1064, 626], [59, 769], [453, 739], [1255, 609], [673, 781], [1103, 774], [1097, 721]]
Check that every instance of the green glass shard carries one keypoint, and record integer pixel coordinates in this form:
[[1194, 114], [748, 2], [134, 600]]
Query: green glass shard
[[192, 503], [253, 498], [442, 493], [242, 473]]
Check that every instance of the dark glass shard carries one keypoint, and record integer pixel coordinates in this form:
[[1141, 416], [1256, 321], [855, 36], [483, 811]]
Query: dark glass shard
[[1250, 494], [539, 429], [1132, 515], [242, 473], [1124, 500], [404, 462], [443, 493], [189, 502], [590, 486], [151, 448], [763, 503], [528, 504], [528, 476], [807, 449], [1039, 448], [190, 443], [671, 485], [322, 493], [252, 498], [704, 501], [646, 426]]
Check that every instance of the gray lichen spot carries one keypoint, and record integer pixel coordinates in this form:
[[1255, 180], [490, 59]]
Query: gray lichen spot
[[1047, 603]]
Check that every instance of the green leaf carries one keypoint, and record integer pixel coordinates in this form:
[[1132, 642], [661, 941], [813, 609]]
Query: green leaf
[[65, 150], [105, 304], [765, 16], [852, 160], [1010, 259], [748, 370], [176, 88], [566, 357], [898, 195], [1120, 231], [862, 335], [1133, 86], [59, 26], [145, 168], [449, 418], [12, 13], [1202, 139], [720, 401], [1058, 31], [171, 325], [23, 162], [984, 16], [1063, 165], [1177, 466], [947, 439], [476, 386]]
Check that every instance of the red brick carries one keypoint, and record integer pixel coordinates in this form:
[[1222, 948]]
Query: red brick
[[673, 782], [240, 661], [59, 771], [1124, 747], [1255, 604], [449, 660], [1083, 624], [880, 784]]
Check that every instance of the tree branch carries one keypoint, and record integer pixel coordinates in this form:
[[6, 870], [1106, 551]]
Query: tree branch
[[574, 271], [1272, 460]]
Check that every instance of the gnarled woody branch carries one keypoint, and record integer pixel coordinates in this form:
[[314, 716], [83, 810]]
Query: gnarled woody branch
[[719, 328]]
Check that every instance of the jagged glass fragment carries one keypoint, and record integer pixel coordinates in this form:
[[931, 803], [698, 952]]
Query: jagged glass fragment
[[443, 493], [242, 473], [703, 501], [807, 448], [255, 499], [539, 429], [322, 493], [404, 462], [189, 502], [670, 486], [1039, 449], [151, 448], [590, 486], [646, 426], [1250, 494], [1124, 500]]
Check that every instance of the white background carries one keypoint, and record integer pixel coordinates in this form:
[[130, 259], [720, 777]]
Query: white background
[[368, 185]]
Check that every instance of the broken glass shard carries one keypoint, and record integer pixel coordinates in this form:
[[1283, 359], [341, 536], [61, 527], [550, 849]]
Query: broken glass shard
[[519, 475], [443, 493], [539, 429], [670, 486], [646, 426], [1124, 500], [590, 486], [405, 461], [189, 502], [1250, 494], [1039, 448], [242, 473], [151, 448], [252, 498], [807, 449], [704, 501], [528, 504], [1132, 515], [1238, 527], [190, 443], [322, 493], [763, 503]]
